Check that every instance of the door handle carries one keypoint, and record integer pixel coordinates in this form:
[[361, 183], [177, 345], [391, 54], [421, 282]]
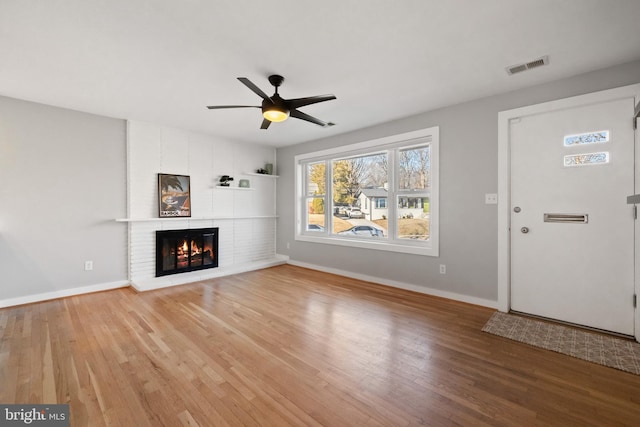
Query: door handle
[[524, 230]]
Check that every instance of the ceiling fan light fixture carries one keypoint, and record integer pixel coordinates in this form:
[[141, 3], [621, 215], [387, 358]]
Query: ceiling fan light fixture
[[276, 114]]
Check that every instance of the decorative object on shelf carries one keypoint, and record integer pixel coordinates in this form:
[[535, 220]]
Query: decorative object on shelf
[[269, 168], [262, 171], [174, 199], [225, 180], [244, 183]]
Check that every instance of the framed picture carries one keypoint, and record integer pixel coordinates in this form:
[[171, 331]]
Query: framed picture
[[174, 198]]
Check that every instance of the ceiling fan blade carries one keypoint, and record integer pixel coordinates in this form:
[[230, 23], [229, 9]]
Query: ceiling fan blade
[[302, 116], [218, 107], [248, 83], [265, 124], [301, 102]]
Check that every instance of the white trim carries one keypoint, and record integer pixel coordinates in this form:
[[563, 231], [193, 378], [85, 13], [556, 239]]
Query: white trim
[[147, 285], [637, 227], [400, 285], [504, 179], [504, 217], [226, 271], [369, 243], [196, 276], [129, 204], [374, 143], [45, 296]]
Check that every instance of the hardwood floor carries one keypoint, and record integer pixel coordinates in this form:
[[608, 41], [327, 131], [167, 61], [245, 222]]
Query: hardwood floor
[[291, 346]]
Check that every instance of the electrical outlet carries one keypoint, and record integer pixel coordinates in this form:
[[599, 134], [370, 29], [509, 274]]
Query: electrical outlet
[[88, 265], [288, 245], [443, 269], [491, 199]]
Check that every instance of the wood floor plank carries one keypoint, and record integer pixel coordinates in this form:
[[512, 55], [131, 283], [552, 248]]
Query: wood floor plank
[[288, 346]]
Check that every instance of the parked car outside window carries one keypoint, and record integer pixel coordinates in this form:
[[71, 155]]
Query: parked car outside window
[[340, 209], [363, 230], [355, 213]]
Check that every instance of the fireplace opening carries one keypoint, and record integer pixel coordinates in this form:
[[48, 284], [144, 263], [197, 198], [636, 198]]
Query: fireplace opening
[[179, 251]]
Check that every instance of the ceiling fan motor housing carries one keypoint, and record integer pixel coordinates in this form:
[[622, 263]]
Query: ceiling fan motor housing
[[276, 102]]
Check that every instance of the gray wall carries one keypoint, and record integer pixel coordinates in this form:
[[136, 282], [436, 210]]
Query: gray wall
[[62, 176], [468, 170]]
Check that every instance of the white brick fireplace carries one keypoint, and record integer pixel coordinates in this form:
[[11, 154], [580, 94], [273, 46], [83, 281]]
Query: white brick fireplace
[[246, 218]]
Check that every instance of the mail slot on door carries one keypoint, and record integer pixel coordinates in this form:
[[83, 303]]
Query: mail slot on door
[[566, 218]]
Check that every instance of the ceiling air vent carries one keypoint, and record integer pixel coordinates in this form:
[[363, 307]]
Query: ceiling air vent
[[518, 68]]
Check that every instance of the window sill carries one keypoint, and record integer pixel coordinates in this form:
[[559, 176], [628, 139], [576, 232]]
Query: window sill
[[366, 243]]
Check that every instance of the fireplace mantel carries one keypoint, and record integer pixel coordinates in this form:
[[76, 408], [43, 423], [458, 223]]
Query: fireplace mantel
[[201, 218]]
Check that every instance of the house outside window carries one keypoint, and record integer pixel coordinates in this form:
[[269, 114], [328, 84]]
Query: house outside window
[[376, 198], [343, 194]]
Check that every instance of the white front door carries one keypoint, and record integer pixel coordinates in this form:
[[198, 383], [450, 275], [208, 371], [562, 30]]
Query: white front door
[[572, 233]]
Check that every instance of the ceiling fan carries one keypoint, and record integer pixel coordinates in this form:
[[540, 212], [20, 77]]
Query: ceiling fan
[[277, 109]]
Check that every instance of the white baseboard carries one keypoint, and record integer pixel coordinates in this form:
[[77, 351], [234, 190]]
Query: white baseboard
[[142, 285], [406, 286], [45, 296], [180, 279], [150, 284]]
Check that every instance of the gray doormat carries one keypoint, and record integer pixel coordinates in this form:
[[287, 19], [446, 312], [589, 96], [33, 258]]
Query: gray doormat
[[606, 350]]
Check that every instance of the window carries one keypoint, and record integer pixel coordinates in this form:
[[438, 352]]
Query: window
[[344, 193]]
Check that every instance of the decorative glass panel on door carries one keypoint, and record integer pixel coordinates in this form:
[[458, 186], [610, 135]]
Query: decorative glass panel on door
[[587, 138], [586, 159]]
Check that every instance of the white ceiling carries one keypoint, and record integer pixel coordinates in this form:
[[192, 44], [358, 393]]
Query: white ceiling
[[163, 61]]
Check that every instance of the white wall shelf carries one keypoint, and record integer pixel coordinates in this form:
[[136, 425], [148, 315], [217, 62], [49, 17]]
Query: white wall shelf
[[221, 187], [265, 175]]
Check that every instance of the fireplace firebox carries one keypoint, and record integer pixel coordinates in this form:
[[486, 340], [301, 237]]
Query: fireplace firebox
[[179, 251]]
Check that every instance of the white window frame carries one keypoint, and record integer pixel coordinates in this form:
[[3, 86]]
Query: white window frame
[[406, 140]]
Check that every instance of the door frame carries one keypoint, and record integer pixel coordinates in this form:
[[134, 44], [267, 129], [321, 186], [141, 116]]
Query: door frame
[[504, 184]]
